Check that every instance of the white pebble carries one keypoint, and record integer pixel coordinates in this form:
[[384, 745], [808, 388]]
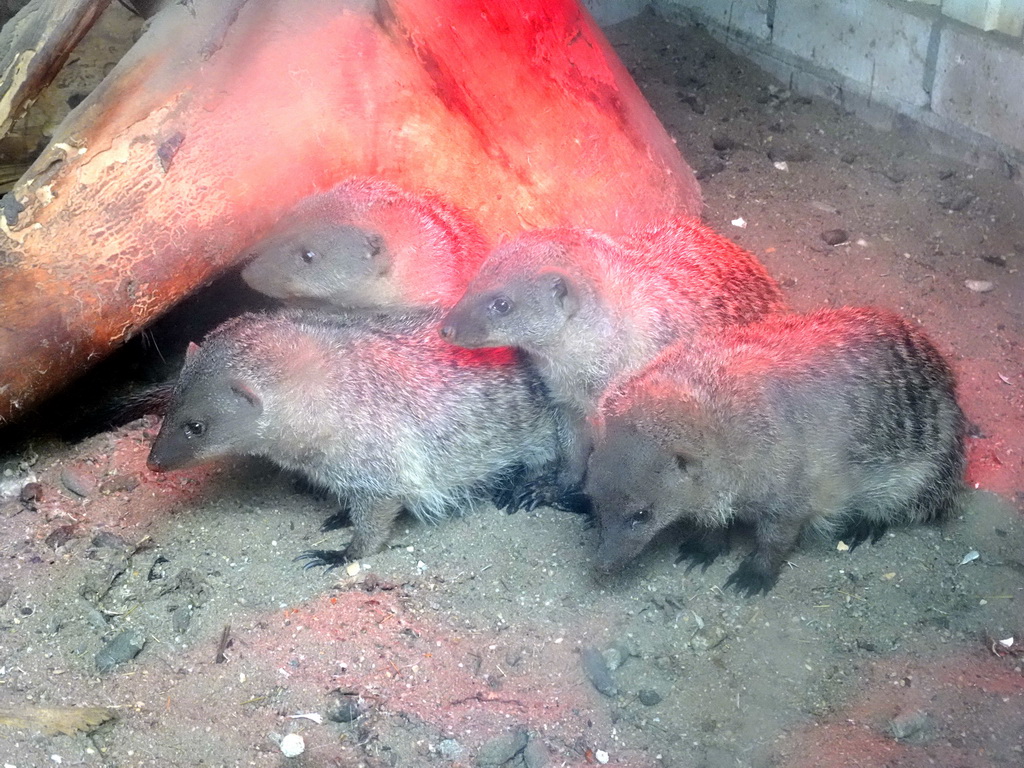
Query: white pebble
[[979, 286], [292, 745], [601, 756], [740, 222]]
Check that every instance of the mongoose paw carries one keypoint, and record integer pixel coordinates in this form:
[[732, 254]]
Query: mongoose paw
[[340, 519], [750, 580], [860, 530], [575, 501], [327, 558], [520, 494], [700, 551]]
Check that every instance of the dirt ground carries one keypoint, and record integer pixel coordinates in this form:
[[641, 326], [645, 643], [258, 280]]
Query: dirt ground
[[479, 641]]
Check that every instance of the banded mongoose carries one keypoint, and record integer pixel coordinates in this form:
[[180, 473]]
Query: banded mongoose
[[367, 243], [373, 406], [587, 308], [843, 420]]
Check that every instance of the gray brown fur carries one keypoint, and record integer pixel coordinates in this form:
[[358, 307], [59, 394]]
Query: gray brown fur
[[375, 407], [367, 243], [588, 308], [844, 420]]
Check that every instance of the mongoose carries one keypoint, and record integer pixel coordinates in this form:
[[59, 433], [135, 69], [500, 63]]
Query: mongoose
[[374, 406], [844, 420], [366, 243], [587, 308]]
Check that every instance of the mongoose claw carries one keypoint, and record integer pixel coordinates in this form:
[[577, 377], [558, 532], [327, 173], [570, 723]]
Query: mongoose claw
[[327, 558], [750, 581], [340, 519], [696, 552], [860, 530]]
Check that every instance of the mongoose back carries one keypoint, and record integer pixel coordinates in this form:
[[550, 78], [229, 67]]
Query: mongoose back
[[375, 407], [587, 308], [367, 243], [845, 420]]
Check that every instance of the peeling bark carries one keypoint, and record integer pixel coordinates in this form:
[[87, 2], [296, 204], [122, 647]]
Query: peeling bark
[[226, 113], [38, 41]]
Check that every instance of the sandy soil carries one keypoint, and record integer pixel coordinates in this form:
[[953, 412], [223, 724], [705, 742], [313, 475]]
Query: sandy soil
[[474, 642]]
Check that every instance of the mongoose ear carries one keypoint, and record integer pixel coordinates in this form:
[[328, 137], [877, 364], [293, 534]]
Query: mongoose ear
[[247, 393], [563, 292], [191, 350]]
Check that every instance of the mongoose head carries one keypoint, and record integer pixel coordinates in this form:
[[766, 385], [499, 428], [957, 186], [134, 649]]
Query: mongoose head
[[528, 310], [651, 467], [339, 264], [213, 413]]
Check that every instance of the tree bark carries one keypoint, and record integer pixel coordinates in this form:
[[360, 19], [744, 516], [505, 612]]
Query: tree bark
[[38, 41], [227, 113]]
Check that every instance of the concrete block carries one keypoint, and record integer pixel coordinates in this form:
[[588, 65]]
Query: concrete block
[[608, 12], [880, 47], [1006, 16], [742, 17], [978, 83]]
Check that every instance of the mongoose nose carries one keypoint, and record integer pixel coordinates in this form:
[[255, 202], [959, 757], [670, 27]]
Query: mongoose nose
[[448, 332]]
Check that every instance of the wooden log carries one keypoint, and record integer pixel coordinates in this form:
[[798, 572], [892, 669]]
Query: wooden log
[[36, 44], [226, 113]]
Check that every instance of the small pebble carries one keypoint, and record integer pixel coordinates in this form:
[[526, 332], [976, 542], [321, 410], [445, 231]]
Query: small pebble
[[707, 638], [596, 670], [79, 481], [979, 286], [908, 724], [181, 618], [536, 755], [345, 709], [449, 749], [292, 745], [960, 201], [649, 697], [614, 657], [119, 483], [724, 143], [60, 536], [601, 756], [124, 647], [502, 749], [835, 236], [30, 493], [709, 168]]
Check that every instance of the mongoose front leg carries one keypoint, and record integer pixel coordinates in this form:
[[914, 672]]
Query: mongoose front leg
[[702, 547], [775, 535], [372, 521]]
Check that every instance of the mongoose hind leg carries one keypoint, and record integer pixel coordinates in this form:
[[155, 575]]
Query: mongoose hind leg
[[859, 529], [526, 490]]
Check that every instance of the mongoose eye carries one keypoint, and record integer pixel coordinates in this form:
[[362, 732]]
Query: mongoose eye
[[193, 429], [309, 256], [501, 306], [643, 517], [374, 246]]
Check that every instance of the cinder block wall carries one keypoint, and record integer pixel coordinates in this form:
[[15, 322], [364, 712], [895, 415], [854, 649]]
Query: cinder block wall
[[953, 67]]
